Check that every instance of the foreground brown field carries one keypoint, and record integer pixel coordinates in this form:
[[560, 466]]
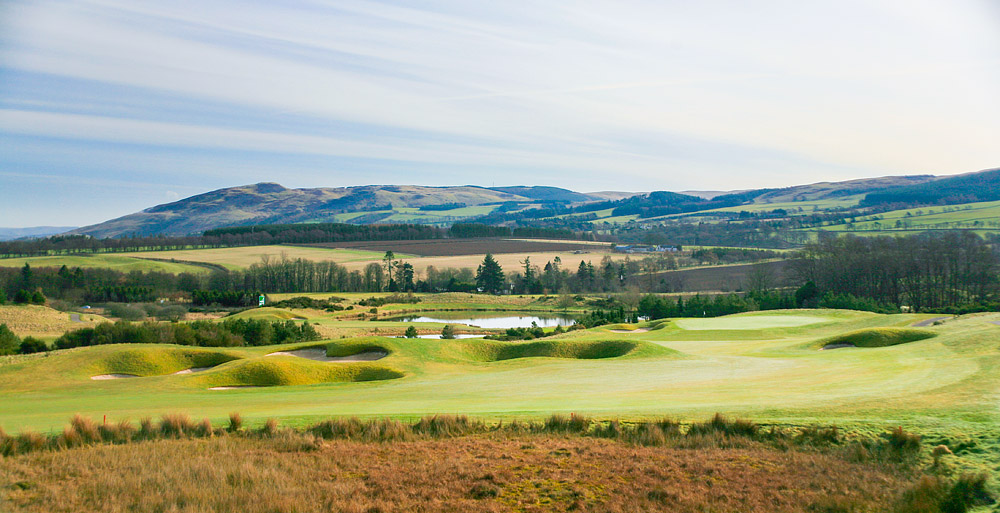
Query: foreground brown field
[[296, 473]]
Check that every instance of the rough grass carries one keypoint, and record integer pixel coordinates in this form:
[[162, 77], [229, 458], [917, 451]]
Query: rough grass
[[37, 320], [285, 471], [156, 361], [491, 351], [290, 370], [878, 337]]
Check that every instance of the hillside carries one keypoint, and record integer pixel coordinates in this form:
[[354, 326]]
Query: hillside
[[32, 232], [272, 203], [966, 188]]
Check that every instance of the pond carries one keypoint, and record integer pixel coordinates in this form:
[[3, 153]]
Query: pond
[[490, 320]]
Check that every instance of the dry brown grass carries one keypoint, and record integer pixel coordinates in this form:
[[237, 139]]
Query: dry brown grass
[[491, 472], [42, 321]]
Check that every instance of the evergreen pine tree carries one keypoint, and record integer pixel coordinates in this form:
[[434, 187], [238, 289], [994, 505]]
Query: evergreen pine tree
[[489, 276]]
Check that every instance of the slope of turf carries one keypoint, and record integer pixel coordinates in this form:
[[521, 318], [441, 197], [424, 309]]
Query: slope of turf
[[290, 370], [492, 350], [877, 337], [156, 360]]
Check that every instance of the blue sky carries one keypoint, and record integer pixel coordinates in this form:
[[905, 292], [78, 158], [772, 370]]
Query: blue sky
[[108, 107]]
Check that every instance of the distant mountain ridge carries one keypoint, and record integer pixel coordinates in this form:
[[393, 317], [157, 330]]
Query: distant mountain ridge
[[269, 203], [272, 203], [32, 232]]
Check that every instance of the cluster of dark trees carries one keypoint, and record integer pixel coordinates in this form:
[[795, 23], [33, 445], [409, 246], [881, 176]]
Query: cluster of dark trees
[[229, 333], [79, 285], [659, 307], [12, 344], [441, 207], [924, 272], [230, 298]]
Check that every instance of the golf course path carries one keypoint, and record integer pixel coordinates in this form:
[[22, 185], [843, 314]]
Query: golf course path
[[319, 355], [75, 317], [927, 322]]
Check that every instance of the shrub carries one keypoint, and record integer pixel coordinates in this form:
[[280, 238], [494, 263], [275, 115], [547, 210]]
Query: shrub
[[235, 422], [6, 444], [146, 429], [818, 434], [8, 340], [650, 434], [69, 438], [126, 312], [29, 441], [32, 345], [175, 425], [968, 491], [448, 332], [411, 332], [903, 442], [723, 425], [563, 424], [270, 428], [445, 425], [203, 429], [86, 429]]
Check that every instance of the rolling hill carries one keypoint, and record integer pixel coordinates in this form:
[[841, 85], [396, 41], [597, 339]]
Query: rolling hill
[[268, 203], [271, 203]]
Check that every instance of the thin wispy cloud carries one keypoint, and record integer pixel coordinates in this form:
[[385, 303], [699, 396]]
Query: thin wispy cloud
[[598, 95]]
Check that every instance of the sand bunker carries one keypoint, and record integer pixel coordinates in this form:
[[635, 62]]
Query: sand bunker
[[113, 376], [639, 330], [319, 355], [192, 370], [234, 387], [835, 346]]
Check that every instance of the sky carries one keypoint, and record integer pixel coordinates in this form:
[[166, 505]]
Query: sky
[[109, 107]]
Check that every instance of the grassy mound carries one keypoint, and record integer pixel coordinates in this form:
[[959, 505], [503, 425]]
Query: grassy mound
[[278, 371], [157, 361], [877, 337], [491, 351], [354, 346]]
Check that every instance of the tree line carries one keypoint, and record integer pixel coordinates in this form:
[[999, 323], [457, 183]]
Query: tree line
[[268, 234], [228, 333], [925, 272]]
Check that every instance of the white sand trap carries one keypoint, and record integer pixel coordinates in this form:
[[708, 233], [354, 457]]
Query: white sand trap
[[638, 330], [234, 387], [113, 376], [319, 355], [192, 370]]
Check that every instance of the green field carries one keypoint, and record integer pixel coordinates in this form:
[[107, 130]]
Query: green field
[[117, 262], [985, 216]]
